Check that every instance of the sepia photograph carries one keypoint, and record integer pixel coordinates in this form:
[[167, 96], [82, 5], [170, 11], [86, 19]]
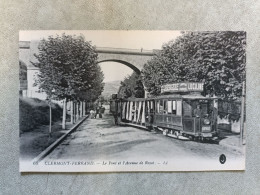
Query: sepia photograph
[[132, 101]]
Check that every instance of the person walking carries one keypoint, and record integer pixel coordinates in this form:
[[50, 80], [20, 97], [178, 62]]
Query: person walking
[[92, 114], [100, 112], [97, 111]]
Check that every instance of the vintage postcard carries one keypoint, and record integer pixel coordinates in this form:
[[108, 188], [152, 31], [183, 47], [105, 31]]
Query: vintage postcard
[[128, 101]]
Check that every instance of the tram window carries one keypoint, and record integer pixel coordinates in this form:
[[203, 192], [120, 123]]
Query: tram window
[[136, 106], [161, 106], [204, 109], [174, 107], [169, 107], [165, 106], [187, 108], [151, 107], [203, 105], [179, 107]]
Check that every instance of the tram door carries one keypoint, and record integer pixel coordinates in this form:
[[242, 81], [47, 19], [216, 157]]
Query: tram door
[[190, 123], [150, 110]]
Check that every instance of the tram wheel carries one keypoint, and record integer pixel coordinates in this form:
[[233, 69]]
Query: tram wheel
[[196, 138], [176, 133], [165, 132]]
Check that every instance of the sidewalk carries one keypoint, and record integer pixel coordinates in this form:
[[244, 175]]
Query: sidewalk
[[231, 141], [34, 142]]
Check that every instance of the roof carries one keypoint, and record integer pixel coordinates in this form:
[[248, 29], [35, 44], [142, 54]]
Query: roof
[[186, 96], [177, 96], [193, 96]]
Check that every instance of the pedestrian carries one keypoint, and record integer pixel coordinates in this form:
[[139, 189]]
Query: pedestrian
[[197, 112], [97, 111], [100, 112], [133, 112], [92, 114]]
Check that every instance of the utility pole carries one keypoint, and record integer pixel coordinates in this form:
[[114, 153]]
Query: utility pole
[[242, 118], [71, 112]]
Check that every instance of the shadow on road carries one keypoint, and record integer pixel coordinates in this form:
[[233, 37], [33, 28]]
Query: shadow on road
[[116, 133], [126, 146], [106, 125]]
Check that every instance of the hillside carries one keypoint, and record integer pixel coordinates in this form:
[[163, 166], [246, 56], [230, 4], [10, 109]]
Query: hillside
[[110, 88], [34, 112]]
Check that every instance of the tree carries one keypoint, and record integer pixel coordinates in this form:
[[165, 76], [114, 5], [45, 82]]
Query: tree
[[132, 86], [96, 90], [216, 58], [93, 94], [67, 64]]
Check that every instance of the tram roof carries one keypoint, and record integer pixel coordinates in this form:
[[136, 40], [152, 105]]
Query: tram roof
[[191, 96], [186, 96], [177, 96]]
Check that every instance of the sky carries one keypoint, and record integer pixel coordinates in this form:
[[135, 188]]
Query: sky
[[116, 39]]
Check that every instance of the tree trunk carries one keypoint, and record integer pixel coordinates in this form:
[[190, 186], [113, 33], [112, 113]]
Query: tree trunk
[[81, 109], [84, 108], [242, 120], [87, 107], [64, 114], [50, 120], [71, 112], [74, 112], [77, 111]]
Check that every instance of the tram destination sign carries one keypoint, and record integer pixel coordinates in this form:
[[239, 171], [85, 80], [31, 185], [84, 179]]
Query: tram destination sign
[[183, 87]]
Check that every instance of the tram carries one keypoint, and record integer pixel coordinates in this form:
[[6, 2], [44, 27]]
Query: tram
[[180, 112]]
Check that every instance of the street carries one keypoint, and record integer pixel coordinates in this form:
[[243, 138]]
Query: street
[[98, 139]]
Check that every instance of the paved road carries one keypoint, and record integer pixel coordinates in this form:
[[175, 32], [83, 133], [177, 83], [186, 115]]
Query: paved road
[[98, 139]]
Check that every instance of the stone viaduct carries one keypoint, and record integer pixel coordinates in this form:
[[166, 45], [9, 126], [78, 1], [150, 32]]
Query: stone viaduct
[[133, 58]]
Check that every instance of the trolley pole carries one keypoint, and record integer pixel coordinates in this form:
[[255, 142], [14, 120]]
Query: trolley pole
[[242, 118]]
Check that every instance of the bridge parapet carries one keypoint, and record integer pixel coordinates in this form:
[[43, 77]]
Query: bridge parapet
[[110, 50]]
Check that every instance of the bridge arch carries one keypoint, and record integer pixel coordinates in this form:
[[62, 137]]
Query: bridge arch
[[129, 65], [133, 67]]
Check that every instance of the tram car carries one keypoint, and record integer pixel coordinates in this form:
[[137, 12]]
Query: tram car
[[180, 112]]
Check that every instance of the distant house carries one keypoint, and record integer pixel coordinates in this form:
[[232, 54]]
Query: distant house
[[28, 72]]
